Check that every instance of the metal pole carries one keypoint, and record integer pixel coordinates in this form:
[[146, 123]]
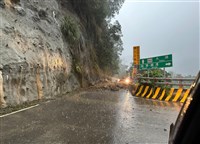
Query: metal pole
[[164, 73]]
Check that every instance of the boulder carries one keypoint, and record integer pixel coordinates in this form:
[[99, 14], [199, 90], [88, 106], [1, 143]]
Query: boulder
[[8, 28], [20, 10], [42, 14]]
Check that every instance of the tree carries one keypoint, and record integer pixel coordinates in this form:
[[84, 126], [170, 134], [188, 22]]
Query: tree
[[110, 47], [106, 37], [114, 6]]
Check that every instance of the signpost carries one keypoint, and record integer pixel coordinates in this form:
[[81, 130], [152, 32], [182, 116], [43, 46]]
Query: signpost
[[156, 62]]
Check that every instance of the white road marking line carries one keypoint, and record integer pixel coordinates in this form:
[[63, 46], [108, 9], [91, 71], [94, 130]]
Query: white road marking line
[[19, 111], [164, 1]]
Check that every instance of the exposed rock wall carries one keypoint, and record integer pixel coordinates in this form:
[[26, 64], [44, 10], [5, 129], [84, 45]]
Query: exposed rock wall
[[36, 60], [23, 82]]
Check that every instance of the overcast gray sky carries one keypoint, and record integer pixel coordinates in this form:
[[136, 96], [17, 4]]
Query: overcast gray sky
[[162, 27]]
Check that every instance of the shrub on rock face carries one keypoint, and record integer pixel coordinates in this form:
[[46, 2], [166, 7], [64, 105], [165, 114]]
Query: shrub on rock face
[[70, 30]]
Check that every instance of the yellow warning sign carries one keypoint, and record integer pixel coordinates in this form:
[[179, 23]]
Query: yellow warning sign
[[136, 55]]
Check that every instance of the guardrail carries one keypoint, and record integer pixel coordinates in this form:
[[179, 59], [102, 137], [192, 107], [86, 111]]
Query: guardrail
[[173, 94], [168, 81]]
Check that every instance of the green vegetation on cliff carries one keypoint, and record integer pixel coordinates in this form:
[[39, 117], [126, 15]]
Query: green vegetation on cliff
[[70, 30], [105, 36]]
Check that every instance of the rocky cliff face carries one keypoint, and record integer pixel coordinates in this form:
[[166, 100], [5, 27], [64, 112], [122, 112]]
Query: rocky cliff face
[[36, 60]]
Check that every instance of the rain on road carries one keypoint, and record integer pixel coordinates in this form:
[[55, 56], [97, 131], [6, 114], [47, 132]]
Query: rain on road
[[93, 117]]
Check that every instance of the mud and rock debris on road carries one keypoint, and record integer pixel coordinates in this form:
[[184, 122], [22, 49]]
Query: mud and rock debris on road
[[100, 116]]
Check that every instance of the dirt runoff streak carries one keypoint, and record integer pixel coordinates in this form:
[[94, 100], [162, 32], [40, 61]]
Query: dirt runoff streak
[[19, 111]]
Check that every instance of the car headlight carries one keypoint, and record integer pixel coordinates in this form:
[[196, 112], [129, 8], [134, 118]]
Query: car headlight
[[127, 81]]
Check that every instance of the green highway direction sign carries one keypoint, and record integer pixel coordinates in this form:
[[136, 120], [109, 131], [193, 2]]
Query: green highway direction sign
[[156, 62]]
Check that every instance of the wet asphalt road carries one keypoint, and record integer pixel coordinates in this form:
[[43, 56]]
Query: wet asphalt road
[[98, 117]]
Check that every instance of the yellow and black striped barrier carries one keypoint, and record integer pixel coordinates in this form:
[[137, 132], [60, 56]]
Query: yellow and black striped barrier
[[174, 95]]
